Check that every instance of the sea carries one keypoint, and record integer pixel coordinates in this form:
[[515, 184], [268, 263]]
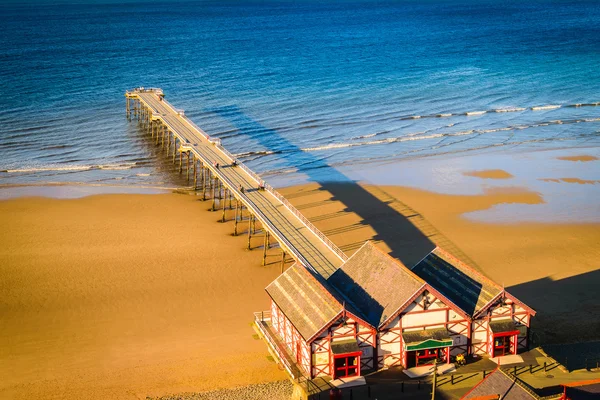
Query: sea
[[293, 88]]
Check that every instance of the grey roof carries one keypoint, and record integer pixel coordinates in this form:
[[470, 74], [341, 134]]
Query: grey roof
[[344, 346], [375, 284], [499, 383], [425, 334], [503, 326], [303, 300], [462, 285]]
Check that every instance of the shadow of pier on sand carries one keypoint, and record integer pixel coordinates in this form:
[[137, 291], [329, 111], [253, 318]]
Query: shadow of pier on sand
[[380, 217]]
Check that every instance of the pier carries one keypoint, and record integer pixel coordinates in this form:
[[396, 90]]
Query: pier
[[218, 176]]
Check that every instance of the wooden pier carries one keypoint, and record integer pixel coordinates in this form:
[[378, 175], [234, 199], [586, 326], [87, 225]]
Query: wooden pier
[[230, 185]]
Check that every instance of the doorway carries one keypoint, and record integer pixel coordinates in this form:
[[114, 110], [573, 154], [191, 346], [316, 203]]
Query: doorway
[[502, 345], [346, 365]]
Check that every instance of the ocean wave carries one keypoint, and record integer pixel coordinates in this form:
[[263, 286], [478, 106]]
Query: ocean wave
[[509, 109], [71, 168], [423, 136], [546, 107], [255, 153]]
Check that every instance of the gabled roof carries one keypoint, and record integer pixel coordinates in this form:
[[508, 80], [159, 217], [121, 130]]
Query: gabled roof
[[375, 284], [304, 301], [500, 384], [461, 284]]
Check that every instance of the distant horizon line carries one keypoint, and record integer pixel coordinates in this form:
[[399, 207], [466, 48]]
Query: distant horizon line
[[120, 2]]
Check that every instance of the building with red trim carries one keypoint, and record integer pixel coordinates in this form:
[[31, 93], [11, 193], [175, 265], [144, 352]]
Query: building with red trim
[[374, 312], [499, 321]]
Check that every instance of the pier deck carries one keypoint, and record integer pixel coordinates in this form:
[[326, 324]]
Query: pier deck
[[295, 233]]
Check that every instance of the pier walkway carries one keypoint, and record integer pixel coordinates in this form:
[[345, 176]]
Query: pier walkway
[[208, 160]]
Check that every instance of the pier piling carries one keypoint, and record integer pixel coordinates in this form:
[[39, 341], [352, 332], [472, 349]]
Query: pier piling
[[237, 206], [249, 231]]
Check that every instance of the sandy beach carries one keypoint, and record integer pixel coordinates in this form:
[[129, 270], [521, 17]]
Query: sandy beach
[[125, 296]]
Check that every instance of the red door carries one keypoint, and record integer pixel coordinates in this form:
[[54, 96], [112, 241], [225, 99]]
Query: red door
[[426, 357], [346, 365], [502, 345]]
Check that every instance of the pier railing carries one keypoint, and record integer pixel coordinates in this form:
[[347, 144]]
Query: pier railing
[[259, 182], [271, 190], [288, 205]]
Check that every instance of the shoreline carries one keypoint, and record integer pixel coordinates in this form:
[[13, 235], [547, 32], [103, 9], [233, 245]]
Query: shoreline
[[564, 178]]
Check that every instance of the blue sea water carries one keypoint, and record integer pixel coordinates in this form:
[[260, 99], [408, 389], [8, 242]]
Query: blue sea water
[[293, 85]]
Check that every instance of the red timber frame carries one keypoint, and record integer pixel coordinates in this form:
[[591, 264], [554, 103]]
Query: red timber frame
[[290, 336], [457, 327], [322, 344], [480, 347], [522, 317]]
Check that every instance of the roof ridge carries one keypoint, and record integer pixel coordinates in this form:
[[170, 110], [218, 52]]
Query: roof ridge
[[399, 264], [467, 266], [480, 382], [522, 384]]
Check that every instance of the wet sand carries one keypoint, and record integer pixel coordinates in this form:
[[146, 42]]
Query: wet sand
[[583, 158], [489, 174], [572, 180], [127, 296]]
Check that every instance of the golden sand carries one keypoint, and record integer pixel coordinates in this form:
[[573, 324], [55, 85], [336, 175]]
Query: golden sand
[[124, 296], [583, 158], [489, 174], [572, 180]]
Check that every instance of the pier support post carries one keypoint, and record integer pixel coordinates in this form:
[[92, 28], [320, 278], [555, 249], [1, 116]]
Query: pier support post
[[127, 110], [187, 166], [214, 194], [162, 136], [223, 213], [250, 231], [203, 183], [265, 248], [195, 173], [230, 198], [168, 141], [237, 206], [180, 161], [174, 147], [282, 260]]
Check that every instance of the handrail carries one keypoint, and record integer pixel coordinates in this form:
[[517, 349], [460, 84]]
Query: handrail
[[289, 206], [272, 190], [250, 204], [258, 321]]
